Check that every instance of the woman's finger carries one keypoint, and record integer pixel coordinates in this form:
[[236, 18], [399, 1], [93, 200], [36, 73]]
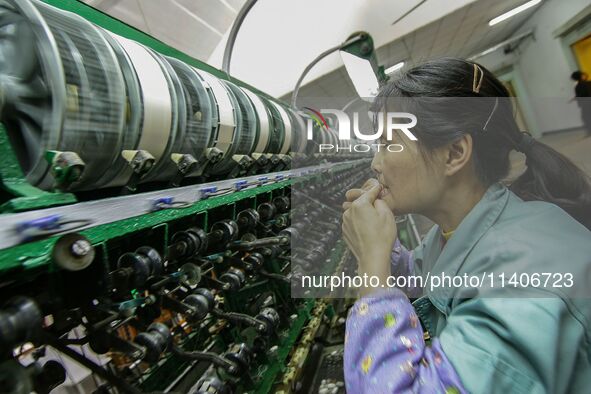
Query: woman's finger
[[371, 195], [353, 194], [371, 182], [346, 205]]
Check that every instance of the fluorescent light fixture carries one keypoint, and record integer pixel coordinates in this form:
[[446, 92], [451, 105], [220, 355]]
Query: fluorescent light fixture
[[395, 67], [362, 75], [513, 12]]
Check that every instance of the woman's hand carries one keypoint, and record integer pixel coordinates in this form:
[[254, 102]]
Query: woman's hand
[[369, 229], [354, 194]]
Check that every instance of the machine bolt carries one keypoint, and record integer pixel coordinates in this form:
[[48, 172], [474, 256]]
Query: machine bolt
[[365, 48], [81, 248]]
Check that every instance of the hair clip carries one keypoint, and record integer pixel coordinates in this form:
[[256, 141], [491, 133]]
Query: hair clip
[[478, 78], [491, 113]]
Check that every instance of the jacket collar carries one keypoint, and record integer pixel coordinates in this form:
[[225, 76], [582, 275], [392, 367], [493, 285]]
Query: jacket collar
[[472, 228]]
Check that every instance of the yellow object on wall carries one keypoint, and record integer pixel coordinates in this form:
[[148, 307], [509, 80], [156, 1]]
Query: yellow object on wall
[[582, 51]]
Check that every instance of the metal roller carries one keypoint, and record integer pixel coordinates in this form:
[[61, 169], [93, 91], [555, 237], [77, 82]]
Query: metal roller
[[165, 168], [201, 113], [69, 87], [249, 126], [335, 140], [119, 172], [277, 129], [329, 135], [264, 122], [159, 120], [311, 146], [227, 129], [299, 139], [63, 90], [286, 120]]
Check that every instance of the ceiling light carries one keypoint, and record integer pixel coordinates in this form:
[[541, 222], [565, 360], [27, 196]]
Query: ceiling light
[[395, 67], [513, 12], [359, 56], [360, 61]]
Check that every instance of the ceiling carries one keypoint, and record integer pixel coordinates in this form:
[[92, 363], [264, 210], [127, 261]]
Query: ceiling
[[462, 33], [301, 31], [278, 38], [199, 25]]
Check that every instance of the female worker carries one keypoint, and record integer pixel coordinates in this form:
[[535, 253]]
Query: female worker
[[526, 337]]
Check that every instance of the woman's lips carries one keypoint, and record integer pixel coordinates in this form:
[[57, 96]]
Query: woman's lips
[[384, 192]]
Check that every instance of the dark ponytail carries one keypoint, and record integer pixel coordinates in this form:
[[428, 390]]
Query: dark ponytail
[[552, 177], [549, 176]]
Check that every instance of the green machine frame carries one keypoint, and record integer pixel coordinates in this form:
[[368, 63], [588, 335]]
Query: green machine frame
[[22, 195], [30, 260]]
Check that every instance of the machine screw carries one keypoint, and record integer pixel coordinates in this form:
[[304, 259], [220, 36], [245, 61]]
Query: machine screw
[[81, 248], [365, 48]]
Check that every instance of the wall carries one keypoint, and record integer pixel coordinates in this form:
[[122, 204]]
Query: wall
[[541, 69]]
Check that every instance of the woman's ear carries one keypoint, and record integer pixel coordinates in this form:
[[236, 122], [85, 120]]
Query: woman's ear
[[458, 153]]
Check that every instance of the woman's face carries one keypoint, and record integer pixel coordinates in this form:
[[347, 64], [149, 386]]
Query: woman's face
[[410, 183]]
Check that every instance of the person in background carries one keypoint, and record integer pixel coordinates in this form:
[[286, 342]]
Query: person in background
[[520, 338], [583, 97]]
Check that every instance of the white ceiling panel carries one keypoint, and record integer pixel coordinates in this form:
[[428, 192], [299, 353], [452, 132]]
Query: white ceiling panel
[[128, 11], [462, 33], [210, 12], [288, 35], [236, 4], [192, 26], [192, 36]]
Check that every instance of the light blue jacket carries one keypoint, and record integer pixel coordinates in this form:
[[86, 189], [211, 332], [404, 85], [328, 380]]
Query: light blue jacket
[[526, 337]]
